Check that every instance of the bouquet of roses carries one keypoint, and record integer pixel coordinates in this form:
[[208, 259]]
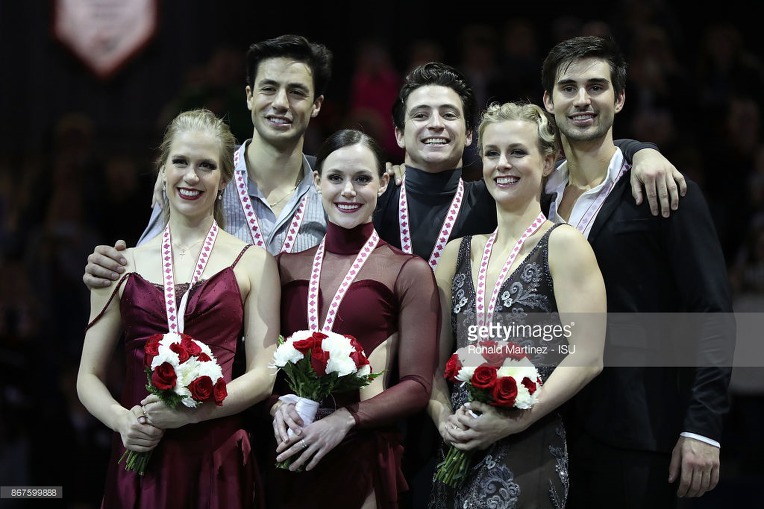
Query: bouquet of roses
[[502, 376], [317, 364], [180, 370]]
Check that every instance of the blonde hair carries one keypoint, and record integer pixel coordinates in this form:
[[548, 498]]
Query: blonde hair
[[547, 133], [203, 120]]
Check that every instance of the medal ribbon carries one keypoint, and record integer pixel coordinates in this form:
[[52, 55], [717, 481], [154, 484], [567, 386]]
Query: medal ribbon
[[175, 318], [315, 276], [445, 229], [596, 205], [251, 217], [484, 314]]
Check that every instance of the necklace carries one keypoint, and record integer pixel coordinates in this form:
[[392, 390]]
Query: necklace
[[175, 316], [485, 311], [282, 198], [182, 250], [246, 205]]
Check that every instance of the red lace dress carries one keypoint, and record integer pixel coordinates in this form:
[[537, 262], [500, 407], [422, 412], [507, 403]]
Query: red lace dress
[[392, 304], [204, 465]]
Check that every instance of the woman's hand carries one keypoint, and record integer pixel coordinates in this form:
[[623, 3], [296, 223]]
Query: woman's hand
[[285, 418], [316, 440], [450, 430], [160, 415], [480, 425], [136, 432]]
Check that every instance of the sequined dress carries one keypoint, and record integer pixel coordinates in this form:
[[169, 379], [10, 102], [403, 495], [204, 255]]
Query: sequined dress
[[528, 469]]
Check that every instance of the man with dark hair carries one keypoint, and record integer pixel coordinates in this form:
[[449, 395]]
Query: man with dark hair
[[272, 202], [644, 431], [433, 118]]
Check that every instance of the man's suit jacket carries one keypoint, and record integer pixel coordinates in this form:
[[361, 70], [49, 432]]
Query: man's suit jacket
[[657, 265]]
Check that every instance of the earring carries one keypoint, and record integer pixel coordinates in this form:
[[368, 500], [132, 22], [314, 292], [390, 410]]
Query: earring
[[220, 194]]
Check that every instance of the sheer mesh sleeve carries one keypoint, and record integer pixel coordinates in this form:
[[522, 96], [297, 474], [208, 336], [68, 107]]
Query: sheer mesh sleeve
[[418, 325]]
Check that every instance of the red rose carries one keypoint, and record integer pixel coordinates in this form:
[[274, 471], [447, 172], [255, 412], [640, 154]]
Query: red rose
[[452, 368], [303, 345], [514, 351], [484, 377], [201, 388], [318, 359], [183, 354], [189, 344], [492, 352], [354, 343], [359, 358], [504, 392], [164, 377], [529, 384], [151, 349], [203, 357], [358, 355], [219, 391]]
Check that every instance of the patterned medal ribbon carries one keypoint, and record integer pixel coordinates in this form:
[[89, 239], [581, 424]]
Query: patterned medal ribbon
[[249, 211], [596, 205], [175, 319], [484, 315], [315, 276], [445, 229]]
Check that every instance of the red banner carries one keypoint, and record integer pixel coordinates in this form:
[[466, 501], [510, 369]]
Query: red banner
[[104, 34]]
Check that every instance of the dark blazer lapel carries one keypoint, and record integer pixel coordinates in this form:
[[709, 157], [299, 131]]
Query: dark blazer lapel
[[611, 203], [546, 202]]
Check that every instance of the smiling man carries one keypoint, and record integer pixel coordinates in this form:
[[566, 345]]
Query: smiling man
[[641, 434], [272, 201], [433, 124]]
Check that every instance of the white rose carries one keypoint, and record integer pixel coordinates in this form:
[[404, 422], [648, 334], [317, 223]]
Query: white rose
[[465, 373], [164, 354], [286, 353], [337, 345], [340, 365]]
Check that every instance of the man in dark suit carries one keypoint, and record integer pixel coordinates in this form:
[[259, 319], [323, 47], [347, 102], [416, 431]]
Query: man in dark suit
[[647, 430]]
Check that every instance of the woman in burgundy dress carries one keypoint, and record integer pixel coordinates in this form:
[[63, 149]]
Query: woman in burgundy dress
[[200, 457], [351, 454]]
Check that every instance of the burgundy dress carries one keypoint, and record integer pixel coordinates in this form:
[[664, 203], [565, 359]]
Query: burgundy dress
[[393, 299], [204, 465]]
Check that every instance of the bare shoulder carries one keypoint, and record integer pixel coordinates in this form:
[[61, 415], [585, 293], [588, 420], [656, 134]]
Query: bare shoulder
[[568, 246], [564, 236], [252, 259]]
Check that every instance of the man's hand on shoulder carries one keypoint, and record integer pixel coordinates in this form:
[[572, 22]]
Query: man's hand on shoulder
[[663, 183], [395, 171], [105, 264]]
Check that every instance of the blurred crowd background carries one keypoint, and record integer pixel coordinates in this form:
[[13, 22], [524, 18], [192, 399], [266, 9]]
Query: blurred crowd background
[[77, 151]]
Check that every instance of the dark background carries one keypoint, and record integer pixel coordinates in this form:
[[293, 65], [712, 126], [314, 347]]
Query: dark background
[[76, 157]]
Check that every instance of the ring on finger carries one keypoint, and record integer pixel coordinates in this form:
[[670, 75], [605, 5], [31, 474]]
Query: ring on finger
[[304, 444]]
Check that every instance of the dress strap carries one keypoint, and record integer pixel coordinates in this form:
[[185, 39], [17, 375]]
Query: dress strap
[[240, 255], [113, 293]]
